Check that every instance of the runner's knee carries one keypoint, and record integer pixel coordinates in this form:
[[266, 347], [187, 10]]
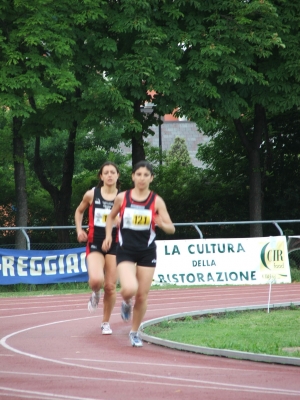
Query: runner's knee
[[109, 288], [128, 292], [95, 283], [141, 298]]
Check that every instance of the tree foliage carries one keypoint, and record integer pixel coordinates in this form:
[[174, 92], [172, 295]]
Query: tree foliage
[[239, 62], [226, 164], [50, 74], [75, 74], [179, 152]]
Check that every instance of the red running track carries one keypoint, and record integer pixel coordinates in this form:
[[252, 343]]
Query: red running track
[[51, 348]]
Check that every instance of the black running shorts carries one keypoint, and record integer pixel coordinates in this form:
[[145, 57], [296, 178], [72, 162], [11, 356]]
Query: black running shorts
[[91, 247], [144, 258]]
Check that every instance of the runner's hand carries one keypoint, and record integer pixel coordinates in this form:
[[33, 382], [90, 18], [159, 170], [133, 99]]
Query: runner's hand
[[106, 244], [82, 236]]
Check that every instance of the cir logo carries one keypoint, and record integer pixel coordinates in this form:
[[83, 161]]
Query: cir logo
[[270, 256]]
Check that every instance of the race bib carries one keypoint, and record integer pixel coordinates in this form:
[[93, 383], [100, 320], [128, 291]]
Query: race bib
[[100, 217], [136, 219]]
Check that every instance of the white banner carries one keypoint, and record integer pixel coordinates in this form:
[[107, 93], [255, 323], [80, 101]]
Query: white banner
[[246, 261]]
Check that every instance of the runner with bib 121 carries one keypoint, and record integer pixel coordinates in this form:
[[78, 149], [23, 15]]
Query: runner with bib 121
[[140, 210]]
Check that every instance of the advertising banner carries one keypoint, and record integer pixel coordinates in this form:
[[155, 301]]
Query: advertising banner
[[43, 266], [249, 261]]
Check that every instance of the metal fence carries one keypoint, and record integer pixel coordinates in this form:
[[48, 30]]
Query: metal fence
[[275, 228], [199, 229]]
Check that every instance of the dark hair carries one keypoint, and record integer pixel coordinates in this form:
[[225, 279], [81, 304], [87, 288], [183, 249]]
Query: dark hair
[[141, 164], [100, 183]]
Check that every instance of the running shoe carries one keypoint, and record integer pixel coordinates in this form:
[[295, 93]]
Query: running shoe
[[105, 328], [93, 302], [135, 340], [126, 311]]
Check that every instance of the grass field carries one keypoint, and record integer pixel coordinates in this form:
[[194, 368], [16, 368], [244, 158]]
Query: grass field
[[276, 333]]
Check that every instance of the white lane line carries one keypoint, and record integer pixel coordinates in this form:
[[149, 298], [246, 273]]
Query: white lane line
[[154, 364], [48, 312], [24, 396], [40, 306], [181, 366], [199, 293], [177, 306], [168, 384], [221, 386], [50, 395], [155, 295]]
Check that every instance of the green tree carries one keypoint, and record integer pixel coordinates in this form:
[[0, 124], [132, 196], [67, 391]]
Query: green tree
[[36, 43], [226, 165], [179, 152], [52, 58], [239, 62], [144, 63], [282, 187]]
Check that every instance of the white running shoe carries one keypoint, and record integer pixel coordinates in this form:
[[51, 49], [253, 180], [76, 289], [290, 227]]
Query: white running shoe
[[93, 302], [105, 328], [126, 311], [135, 340]]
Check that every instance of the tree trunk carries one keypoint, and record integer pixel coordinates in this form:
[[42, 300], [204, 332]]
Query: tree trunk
[[63, 205], [138, 151], [20, 183], [61, 197], [255, 198], [255, 179]]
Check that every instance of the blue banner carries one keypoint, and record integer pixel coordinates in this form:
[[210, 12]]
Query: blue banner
[[42, 266]]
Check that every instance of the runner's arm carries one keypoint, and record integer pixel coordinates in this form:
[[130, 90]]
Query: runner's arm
[[111, 219], [84, 204], [162, 218]]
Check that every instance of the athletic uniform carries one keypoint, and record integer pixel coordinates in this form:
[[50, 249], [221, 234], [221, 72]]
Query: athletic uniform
[[137, 231], [98, 212]]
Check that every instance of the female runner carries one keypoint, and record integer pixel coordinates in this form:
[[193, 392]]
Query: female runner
[[140, 210], [101, 264]]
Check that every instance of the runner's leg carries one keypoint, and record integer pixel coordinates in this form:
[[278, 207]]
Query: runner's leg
[[95, 263], [110, 281], [144, 278], [128, 279]]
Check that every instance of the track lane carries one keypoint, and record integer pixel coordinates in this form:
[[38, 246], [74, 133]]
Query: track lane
[[52, 347]]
